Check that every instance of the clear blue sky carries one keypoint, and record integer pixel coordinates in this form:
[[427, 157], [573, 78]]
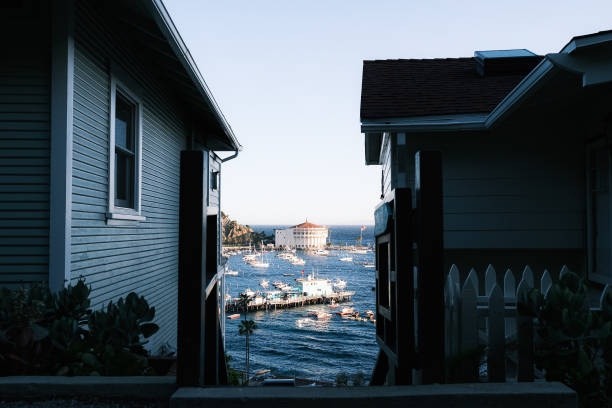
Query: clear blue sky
[[287, 75]]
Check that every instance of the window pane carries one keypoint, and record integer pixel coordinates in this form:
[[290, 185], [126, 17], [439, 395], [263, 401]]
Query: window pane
[[124, 180], [124, 123]]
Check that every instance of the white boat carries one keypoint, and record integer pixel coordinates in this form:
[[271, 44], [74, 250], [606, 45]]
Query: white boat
[[298, 261], [264, 283], [232, 273], [369, 265], [340, 284], [346, 259], [346, 311], [359, 251], [248, 292], [260, 263]]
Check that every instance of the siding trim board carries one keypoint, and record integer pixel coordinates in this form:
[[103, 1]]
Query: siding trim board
[[62, 83]]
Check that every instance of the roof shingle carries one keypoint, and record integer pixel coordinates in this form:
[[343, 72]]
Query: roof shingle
[[424, 87]]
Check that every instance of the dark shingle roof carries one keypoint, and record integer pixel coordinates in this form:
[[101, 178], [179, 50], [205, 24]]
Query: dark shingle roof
[[410, 87]]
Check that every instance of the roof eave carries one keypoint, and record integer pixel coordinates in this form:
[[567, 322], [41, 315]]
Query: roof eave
[[170, 32], [437, 123]]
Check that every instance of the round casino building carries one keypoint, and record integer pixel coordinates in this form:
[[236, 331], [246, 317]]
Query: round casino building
[[303, 236]]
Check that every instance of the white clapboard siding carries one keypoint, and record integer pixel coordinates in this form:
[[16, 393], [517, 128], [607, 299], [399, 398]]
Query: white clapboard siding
[[465, 310], [498, 197], [142, 256]]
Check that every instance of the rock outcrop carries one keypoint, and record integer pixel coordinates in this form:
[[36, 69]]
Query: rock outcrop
[[237, 234]]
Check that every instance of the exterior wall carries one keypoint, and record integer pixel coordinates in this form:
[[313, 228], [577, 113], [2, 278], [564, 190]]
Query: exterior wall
[[127, 255], [511, 197], [301, 238], [284, 238], [25, 73]]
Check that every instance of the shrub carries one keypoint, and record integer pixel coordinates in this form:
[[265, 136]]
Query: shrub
[[58, 334], [575, 345]]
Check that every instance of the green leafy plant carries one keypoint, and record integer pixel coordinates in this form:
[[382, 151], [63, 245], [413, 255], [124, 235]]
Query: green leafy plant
[[575, 342], [233, 375], [58, 334]]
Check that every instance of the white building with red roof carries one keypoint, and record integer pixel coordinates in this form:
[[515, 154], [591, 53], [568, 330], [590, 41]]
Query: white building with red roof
[[302, 236]]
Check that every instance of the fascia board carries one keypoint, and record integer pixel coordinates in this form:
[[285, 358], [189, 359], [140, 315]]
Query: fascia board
[[170, 32]]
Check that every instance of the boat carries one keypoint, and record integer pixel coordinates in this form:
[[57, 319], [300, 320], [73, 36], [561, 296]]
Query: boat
[[369, 265], [345, 311], [231, 273], [248, 292], [264, 283], [298, 261], [260, 263], [340, 284], [320, 315], [233, 316], [346, 259], [288, 274]]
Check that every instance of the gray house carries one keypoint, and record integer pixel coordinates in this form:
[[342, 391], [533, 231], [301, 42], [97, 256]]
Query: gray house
[[97, 100], [526, 145]]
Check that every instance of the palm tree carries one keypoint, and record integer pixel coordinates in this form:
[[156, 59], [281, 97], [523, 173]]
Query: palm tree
[[246, 328], [244, 303]]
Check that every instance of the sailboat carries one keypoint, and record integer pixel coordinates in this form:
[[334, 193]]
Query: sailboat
[[260, 263]]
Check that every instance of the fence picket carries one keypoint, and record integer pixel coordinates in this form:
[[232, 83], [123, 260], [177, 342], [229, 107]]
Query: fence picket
[[607, 291], [469, 331], [473, 278], [524, 325], [490, 279], [448, 333], [456, 296], [528, 276], [509, 292], [563, 271], [454, 272], [496, 364], [545, 283]]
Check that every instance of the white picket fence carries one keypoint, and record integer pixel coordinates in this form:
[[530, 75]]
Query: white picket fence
[[491, 319]]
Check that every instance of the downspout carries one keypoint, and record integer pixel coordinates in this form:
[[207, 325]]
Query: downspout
[[233, 156]]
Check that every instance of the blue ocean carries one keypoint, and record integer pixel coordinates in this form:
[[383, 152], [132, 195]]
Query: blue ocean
[[289, 342]]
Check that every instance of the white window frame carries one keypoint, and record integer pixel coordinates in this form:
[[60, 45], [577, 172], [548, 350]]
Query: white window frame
[[115, 212]]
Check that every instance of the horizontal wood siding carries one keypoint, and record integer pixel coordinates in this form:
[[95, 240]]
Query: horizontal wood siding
[[135, 256], [507, 189], [25, 73]]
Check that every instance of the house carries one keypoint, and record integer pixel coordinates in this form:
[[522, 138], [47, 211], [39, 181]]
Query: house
[[97, 101], [525, 142]]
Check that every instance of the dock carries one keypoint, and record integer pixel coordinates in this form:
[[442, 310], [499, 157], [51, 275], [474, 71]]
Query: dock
[[234, 304]]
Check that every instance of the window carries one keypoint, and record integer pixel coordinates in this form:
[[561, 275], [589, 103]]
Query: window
[[124, 154]]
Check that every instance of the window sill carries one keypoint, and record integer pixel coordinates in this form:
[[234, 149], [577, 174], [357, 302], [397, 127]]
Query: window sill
[[114, 216]]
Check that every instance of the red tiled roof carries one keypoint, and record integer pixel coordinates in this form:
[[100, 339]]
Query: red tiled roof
[[411, 87], [307, 225]]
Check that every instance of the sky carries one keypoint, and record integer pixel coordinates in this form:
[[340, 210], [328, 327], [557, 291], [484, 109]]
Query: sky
[[287, 76]]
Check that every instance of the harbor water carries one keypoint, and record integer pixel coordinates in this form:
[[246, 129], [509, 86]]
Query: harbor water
[[290, 342]]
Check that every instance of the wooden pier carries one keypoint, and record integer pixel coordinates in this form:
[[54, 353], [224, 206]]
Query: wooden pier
[[234, 305]]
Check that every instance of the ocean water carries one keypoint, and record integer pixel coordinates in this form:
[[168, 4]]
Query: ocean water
[[289, 341]]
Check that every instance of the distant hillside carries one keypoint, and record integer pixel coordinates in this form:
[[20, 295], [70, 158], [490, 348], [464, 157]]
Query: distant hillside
[[237, 234]]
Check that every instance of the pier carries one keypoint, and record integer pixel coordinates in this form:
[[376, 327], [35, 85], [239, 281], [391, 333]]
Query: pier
[[234, 305]]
